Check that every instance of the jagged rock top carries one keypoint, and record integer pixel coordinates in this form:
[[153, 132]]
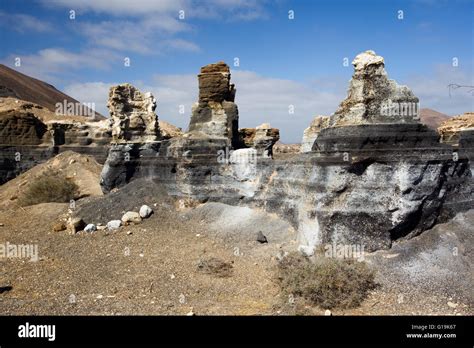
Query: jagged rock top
[[373, 98], [219, 67], [363, 60], [132, 114], [214, 84]]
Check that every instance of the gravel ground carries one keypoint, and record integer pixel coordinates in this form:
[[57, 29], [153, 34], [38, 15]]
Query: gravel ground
[[161, 266]]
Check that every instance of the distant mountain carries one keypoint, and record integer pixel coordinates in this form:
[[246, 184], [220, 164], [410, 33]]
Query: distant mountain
[[432, 118], [17, 85]]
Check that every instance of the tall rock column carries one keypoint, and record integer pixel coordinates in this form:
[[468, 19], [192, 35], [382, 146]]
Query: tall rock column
[[132, 115], [135, 136], [215, 114], [373, 98]]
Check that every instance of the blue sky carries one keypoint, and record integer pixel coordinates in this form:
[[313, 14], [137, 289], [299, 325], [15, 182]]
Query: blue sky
[[282, 61]]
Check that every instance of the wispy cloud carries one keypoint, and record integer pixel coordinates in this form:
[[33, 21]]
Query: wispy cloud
[[259, 98], [433, 92], [23, 23], [143, 37], [221, 9], [48, 63]]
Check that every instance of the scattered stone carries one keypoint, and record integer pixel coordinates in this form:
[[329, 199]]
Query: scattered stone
[[90, 228], [75, 224], [131, 216], [59, 226], [114, 224], [1, 224], [261, 237], [452, 304], [215, 266], [306, 250], [129, 232], [328, 312], [145, 211]]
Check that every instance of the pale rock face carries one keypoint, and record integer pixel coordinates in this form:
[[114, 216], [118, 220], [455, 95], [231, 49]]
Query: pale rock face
[[450, 130], [373, 98], [132, 113], [244, 163], [114, 224], [262, 138], [75, 224], [131, 216], [145, 211], [311, 133], [90, 228]]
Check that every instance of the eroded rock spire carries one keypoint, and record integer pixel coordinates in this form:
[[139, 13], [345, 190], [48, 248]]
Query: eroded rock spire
[[132, 115], [373, 98]]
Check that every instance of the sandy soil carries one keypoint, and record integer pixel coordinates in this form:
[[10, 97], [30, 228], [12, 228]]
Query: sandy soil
[[152, 267]]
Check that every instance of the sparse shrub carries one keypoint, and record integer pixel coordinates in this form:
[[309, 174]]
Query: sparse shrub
[[49, 187], [326, 282]]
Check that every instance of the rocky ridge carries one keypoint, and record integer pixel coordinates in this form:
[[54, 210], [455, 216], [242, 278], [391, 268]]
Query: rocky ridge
[[373, 176]]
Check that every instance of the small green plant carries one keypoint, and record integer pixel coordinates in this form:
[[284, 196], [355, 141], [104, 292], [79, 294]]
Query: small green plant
[[49, 187], [326, 282]]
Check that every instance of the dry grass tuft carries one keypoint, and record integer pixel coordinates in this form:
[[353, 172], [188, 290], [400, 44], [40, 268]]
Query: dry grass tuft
[[326, 282], [49, 187]]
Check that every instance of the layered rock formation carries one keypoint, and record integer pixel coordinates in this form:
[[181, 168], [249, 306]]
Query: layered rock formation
[[132, 115], [374, 175], [262, 138], [215, 114], [373, 98], [31, 134], [455, 128], [311, 133], [135, 134]]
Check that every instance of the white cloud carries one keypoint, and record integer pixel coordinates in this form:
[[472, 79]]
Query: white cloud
[[230, 9], [48, 63], [265, 99], [119, 7], [433, 91], [144, 37], [260, 99], [91, 92], [24, 23]]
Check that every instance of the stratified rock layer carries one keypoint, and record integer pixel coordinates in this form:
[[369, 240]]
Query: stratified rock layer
[[373, 98], [132, 114], [26, 140], [372, 177], [262, 138], [216, 114]]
